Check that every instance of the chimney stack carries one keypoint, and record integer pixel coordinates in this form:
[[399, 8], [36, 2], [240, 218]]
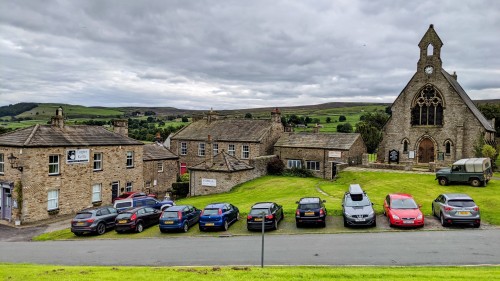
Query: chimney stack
[[316, 129], [121, 127], [276, 115], [211, 116], [58, 120]]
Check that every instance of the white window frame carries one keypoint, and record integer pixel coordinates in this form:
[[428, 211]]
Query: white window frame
[[201, 149], [231, 149], [245, 151], [159, 165], [128, 186], [98, 162], [96, 192], [53, 199], [184, 148], [130, 159], [215, 149], [54, 164], [313, 165], [294, 163], [2, 164]]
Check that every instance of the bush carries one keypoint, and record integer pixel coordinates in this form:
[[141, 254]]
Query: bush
[[299, 172], [184, 177], [275, 166], [180, 189], [342, 118], [344, 128]]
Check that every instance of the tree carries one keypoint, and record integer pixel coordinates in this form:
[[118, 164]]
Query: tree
[[344, 128], [275, 166], [328, 119], [248, 115], [370, 129], [342, 118], [491, 111], [185, 119]]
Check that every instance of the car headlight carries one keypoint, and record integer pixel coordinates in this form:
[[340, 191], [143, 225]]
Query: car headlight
[[419, 217], [395, 217], [348, 215], [371, 213]]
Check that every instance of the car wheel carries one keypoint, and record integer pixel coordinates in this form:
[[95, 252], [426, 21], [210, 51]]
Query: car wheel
[[443, 181], [201, 228], [389, 220], [185, 227], [475, 182], [477, 225], [226, 226], [345, 223], [323, 224], [443, 222], [101, 228], [374, 224], [163, 230], [275, 226], [78, 233], [139, 227], [298, 224], [282, 216]]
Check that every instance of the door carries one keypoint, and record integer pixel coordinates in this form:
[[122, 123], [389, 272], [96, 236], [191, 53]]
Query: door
[[115, 186], [426, 151], [6, 203], [334, 170]]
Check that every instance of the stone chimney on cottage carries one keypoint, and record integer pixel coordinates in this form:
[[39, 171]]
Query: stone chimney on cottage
[[120, 126], [211, 116], [276, 115], [58, 120], [209, 159], [316, 129], [158, 139]]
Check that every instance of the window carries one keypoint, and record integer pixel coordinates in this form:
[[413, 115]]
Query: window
[[130, 159], [2, 164], [53, 164], [245, 151], [216, 148], [231, 150], [292, 163], [184, 148], [96, 192], [427, 108], [201, 149], [97, 161], [447, 145], [312, 165], [430, 50], [405, 146], [128, 187], [159, 164], [53, 200]]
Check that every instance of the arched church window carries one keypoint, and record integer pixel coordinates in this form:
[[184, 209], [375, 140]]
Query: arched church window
[[405, 146], [447, 146], [427, 108], [430, 50]]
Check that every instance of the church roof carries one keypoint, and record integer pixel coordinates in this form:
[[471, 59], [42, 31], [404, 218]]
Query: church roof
[[486, 124], [222, 162], [342, 141], [155, 151], [53, 136]]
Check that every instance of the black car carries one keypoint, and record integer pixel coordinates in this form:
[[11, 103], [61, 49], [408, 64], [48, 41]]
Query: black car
[[137, 219], [310, 210], [357, 209], [272, 213], [94, 220]]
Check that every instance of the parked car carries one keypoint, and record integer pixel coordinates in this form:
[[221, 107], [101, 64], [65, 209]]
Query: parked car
[[136, 219], [402, 210], [179, 218], [311, 210], [475, 171], [357, 209], [133, 194], [270, 212], [94, 220], [218, 215], [124, 204], [455, 208]]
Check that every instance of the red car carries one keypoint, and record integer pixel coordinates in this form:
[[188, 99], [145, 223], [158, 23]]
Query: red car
[[132, 194], [402, 210]]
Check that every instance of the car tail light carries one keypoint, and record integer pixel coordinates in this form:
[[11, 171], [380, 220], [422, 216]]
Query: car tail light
[[90, 220], [269, 217], [297, 212], [476, 208], [447, 209], [133, 217], [249, 217], [220, 211], [321, 212], [179, 215]]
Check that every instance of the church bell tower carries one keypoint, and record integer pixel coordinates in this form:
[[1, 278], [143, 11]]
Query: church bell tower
[[430, 53]]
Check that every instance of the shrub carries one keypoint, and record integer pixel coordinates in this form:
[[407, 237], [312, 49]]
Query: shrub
[[180, 189], [275, 166], [299, 172], [185, 177], [342, 118]]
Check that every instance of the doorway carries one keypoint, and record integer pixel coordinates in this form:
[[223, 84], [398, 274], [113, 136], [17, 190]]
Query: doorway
[[426, 151], [5, 202], [115, 186], [334, 170]]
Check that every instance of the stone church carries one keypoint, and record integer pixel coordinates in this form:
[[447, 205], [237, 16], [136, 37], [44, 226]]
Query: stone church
[[433, 119]]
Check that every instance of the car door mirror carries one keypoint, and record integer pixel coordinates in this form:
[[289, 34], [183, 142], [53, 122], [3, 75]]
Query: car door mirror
[[324, 201]]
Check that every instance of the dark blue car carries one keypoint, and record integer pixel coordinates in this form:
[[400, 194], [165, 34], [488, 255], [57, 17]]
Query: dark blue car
[[218, 216], [179, 218]]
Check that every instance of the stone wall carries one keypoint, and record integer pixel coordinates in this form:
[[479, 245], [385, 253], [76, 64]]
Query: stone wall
[[158, 182]]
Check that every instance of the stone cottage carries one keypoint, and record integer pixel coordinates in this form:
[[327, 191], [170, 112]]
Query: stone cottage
[[161, 169], [51, 170], [433, 119], [320, 153]]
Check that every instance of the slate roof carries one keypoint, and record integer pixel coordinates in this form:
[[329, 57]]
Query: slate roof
[[53, 136], [223, 162], [342, 141], [486, 124], [241, 130], [155, 151]]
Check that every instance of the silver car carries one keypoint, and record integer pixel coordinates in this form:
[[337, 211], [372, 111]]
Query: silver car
[[456, 208], [357, 209]]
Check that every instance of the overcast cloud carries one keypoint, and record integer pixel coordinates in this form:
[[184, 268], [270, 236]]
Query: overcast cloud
[[237, 54]]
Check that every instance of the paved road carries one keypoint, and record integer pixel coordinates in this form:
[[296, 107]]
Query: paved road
[[461, 247]]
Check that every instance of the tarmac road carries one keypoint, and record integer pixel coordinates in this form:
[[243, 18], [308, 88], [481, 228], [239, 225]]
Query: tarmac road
[[458, 247]]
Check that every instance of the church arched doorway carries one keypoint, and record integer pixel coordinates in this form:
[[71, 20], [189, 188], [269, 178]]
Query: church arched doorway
[[426, 151]]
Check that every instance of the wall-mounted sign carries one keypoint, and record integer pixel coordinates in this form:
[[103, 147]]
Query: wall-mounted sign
[[77, 156], [441, 156], [393, 156], [411, 154], [209, 182], [335, 153]]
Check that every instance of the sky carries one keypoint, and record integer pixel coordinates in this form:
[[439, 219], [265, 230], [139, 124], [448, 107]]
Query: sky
[[237, 54]]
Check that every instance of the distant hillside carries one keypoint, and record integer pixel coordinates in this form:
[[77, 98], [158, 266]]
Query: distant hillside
[[15, 109]]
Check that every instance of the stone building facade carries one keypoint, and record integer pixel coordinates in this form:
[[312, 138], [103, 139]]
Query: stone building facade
[[320, 153], [433, 119], [57, 170], [161, 169]]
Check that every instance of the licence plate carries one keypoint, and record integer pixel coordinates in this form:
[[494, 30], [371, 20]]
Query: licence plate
[[309, 214], [408, 222], [168, 222], [257, 219], [209, 224], [463, 213], [80, 223], [359, 219], [122, 221]]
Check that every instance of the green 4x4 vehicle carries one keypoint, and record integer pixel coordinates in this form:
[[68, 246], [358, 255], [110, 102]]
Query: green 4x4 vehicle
[[475, 171]]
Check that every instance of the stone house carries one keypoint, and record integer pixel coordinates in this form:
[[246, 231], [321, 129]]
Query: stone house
[[244, 139], [51, 170], [161, 169], [320, 153], [433, 119]]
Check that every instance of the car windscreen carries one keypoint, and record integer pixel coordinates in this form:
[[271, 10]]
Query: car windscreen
[[210, 212], [124, 204], [403, 204], [124, 216], [83, 216], [309, 206], [461, 203], [170, 214], [258, 212], [355, 203]]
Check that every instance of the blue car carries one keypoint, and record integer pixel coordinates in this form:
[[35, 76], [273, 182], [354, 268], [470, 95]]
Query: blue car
[[179, 218], [218, 216]]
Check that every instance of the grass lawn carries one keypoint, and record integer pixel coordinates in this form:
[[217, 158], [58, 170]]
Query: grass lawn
[[14, 272]]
